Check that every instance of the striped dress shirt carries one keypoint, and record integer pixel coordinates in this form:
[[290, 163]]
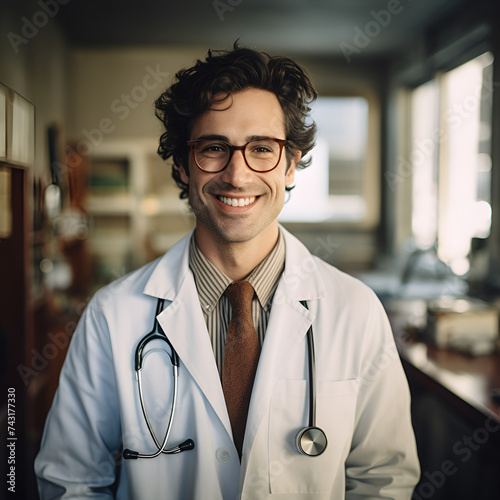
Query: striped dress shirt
[[212, 283]]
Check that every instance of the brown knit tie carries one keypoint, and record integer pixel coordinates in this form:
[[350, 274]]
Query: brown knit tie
[[241, 356]]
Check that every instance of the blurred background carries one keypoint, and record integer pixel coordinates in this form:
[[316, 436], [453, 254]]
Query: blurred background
[[403, 191]]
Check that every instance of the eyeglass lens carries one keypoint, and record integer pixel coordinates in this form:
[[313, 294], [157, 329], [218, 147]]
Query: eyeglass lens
[[261, 155]]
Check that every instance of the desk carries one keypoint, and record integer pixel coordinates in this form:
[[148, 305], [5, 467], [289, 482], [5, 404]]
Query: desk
[[456, 421], [468, 381]]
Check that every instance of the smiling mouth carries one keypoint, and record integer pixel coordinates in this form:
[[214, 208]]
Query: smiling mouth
[[236, 202]]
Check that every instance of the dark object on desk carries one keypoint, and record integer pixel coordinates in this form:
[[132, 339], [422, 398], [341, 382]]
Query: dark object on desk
[[495, 395]]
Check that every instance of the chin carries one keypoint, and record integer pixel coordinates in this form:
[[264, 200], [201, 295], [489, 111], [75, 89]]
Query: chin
[[236, 236], [236, 233]]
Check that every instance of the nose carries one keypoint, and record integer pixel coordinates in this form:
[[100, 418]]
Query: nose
[[237, 172]]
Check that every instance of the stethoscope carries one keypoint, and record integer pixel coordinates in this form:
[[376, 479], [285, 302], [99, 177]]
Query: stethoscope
[[157, 334], [311, 441]]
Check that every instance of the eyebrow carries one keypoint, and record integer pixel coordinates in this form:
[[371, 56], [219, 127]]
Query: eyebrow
[[212, 137], [215, 137]]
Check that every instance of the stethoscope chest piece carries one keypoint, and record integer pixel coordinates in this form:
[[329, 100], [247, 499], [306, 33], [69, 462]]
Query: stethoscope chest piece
[[311, 441]]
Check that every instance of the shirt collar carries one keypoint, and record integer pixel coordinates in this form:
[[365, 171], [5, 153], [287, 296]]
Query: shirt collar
[[212, 283], [264, 278]]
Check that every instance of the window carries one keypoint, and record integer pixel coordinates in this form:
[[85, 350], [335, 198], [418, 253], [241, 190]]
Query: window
[[336, 187], [425, 136], [451, 144]]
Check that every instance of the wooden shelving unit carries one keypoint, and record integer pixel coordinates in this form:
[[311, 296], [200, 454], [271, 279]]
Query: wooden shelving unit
[[134, 210]]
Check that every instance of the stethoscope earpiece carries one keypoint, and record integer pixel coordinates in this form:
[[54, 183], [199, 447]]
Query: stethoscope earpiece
[[311, 441]]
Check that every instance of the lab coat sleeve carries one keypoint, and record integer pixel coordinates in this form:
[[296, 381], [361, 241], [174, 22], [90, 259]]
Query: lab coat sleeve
[[383, 461], [82, 432]]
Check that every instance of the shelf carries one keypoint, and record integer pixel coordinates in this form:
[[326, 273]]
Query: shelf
[[153, 205], [133, 205], [110, 247], [112, 204]]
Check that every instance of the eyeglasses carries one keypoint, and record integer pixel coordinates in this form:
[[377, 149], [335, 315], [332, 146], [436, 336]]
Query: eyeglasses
[[214, 155]]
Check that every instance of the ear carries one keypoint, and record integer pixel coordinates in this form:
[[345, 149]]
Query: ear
[[184, 175], [290, 174]]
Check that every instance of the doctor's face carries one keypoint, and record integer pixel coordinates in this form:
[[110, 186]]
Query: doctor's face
[[238, 204]]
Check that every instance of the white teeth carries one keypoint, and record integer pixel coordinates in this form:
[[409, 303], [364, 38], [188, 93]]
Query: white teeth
[[236, 202]]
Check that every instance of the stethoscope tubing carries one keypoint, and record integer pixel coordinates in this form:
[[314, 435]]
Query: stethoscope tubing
[[157, 334], [161, 448], [311, 441], [312, 379]]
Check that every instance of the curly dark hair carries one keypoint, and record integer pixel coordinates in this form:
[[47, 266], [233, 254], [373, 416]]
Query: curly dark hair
[[226, 72]]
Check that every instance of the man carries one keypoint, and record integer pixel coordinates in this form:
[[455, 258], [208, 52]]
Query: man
[[235, 127]]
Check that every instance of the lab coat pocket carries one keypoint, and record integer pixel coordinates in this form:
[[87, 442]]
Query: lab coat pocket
[[292, 472]]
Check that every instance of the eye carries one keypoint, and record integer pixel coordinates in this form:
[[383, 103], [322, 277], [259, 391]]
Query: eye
[[262, 147], [214, 148]]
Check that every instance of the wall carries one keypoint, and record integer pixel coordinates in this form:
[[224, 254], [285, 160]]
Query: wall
[[36, 68], [113, 90]]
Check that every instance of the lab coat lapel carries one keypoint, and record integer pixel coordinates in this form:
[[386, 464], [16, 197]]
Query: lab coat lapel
[[287, 327], [183, 323], [185, 327]]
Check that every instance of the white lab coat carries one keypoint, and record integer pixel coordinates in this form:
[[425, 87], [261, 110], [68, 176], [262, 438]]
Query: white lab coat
[[362, 395]]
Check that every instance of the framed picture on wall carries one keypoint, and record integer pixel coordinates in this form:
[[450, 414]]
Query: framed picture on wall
[[21, 143], [3, 121]]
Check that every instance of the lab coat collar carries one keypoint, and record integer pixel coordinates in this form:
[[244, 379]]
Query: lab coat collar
[[300, 279], [170, 271]]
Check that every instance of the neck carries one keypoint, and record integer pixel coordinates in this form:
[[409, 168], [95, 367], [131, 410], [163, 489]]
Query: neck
[[237, 259]]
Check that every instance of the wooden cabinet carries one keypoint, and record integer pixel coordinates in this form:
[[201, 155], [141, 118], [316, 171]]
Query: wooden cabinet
[[16, 298]]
